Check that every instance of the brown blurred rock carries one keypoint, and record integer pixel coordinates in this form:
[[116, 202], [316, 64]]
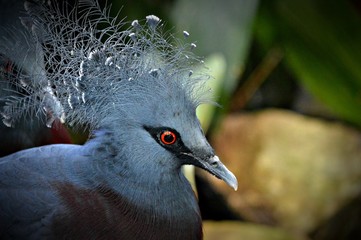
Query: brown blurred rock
[[293, 171], [228, 230], [345, 224]]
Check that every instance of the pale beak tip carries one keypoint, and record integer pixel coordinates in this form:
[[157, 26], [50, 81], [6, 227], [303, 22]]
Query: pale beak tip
[[220, 170], [232, 182]]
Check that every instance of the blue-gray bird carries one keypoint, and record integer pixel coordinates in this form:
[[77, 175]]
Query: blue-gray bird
[[137, 93]]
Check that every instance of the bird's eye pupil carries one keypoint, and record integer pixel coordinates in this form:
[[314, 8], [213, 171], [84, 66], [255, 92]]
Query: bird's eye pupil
[[168, 137]]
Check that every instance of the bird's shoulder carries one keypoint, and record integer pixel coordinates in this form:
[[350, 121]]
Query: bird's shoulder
[[29, 180], [44, 161]]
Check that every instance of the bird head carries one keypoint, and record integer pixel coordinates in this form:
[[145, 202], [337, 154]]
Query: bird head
[[135, 83], [160, 122]]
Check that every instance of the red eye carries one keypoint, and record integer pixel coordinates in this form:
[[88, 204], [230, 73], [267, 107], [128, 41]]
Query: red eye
[[168, 137]]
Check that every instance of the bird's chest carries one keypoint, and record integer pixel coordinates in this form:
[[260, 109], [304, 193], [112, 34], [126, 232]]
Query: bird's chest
[[103, 214]]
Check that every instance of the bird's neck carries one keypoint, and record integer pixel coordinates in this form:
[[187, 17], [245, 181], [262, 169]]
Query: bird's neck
[[107, 214], [165, 208], [160, 205]]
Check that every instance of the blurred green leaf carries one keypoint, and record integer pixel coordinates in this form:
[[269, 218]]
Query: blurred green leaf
[[221, 31], [321, 40], [217, 65]]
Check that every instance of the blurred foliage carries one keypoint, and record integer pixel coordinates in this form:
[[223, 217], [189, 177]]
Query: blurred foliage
[[318, 42], [223, 34], [219, 28], [321, 43]]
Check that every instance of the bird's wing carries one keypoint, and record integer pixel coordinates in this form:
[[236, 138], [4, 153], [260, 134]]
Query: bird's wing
[[28, 201]]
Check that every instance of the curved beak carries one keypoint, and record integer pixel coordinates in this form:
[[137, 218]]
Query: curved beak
[[218, 169], [214, 166]]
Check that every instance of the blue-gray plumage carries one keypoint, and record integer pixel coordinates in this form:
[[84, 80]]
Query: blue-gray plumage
[[137, 94]]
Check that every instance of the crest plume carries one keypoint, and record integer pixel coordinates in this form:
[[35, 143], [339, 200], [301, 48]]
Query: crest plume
[[93, 61]]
